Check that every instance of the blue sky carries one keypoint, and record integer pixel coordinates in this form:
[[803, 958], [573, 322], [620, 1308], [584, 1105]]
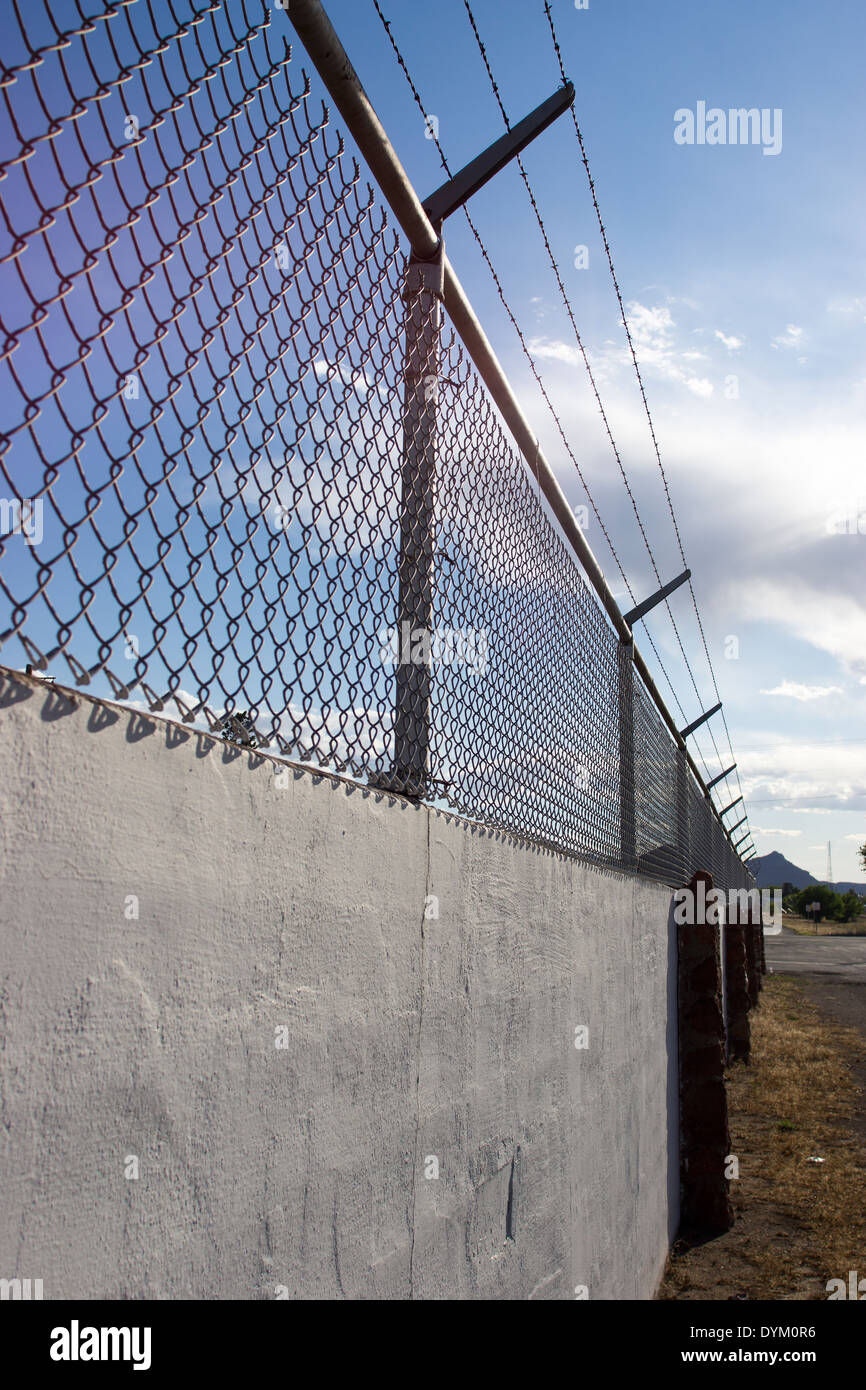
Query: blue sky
[[732, 264]]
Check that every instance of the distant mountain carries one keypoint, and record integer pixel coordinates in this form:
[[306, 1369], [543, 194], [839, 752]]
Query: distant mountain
[[772, 869]]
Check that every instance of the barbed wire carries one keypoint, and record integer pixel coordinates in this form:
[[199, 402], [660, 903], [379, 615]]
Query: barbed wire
[[624, 318], [572, 319], [537, 375]]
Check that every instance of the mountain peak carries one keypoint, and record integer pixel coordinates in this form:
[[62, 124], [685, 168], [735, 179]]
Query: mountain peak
[[774, 869]]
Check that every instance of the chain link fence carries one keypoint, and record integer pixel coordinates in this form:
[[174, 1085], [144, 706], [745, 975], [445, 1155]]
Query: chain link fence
[[249, 475]]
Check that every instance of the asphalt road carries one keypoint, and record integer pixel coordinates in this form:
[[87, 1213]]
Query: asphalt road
[[790, 954]]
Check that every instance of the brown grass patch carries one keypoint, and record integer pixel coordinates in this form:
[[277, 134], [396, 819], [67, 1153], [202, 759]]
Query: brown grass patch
[[798, 1223], [803, 927]]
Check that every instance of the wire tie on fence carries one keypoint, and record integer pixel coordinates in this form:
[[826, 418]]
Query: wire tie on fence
[[118, 689], [33, 652], [155, 703], [81, 674], [189, 711], [214, 722]]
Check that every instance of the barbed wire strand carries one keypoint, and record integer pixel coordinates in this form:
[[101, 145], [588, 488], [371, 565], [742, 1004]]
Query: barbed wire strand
[[386, 24], [572, 319], [592, 188]]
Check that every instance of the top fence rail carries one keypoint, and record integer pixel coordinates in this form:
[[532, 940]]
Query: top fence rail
[[250, 473]]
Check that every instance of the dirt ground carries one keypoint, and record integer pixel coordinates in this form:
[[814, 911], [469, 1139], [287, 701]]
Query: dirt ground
[[798, 1222]]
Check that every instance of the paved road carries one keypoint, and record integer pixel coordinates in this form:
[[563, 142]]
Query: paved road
[[790, 954]]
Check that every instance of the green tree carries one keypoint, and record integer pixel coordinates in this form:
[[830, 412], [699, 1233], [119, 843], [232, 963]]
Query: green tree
[[834, 907], [817, 893], [850, 907]]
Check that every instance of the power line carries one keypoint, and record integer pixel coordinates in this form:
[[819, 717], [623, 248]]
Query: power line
[[795, 743]]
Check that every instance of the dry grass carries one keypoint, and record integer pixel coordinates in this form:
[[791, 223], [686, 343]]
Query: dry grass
[[804, 927], [798, 1223]]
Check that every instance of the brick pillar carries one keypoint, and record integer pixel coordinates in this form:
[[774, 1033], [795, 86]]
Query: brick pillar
[[705, 1143], [763, 958], [760, 967], [736, 976], [760, 961], [753, 955]]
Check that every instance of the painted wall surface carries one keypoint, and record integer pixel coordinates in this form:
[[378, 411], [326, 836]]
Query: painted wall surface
[[294, 1001]]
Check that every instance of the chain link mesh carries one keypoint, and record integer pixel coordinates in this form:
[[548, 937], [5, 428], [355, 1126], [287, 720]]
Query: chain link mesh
[[232, 491]]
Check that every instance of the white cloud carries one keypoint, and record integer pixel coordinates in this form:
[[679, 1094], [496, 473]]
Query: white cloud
[[651, 327], [557, 352], [796, 776], [652, 330], [791, 338], [359, 381], [794, 691], [833, 622], [857, 305], [699, 386], [859, 838], [730, 342], [760, 830]]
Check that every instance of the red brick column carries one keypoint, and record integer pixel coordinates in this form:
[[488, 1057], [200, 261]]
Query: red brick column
[[753, 928], [736, 980], [705, 1206], [763, 957]]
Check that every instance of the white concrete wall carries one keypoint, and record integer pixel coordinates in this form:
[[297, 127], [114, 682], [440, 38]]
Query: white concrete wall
[[269, 897]]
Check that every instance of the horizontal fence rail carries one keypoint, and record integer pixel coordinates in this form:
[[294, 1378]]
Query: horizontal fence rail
[[250, 474]]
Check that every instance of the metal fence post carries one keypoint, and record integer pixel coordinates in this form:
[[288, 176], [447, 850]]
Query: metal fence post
[[627, 818], [683, 811], [424, 294]]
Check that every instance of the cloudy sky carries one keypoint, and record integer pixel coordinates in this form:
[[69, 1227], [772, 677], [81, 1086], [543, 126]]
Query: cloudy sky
[[744, 278]]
